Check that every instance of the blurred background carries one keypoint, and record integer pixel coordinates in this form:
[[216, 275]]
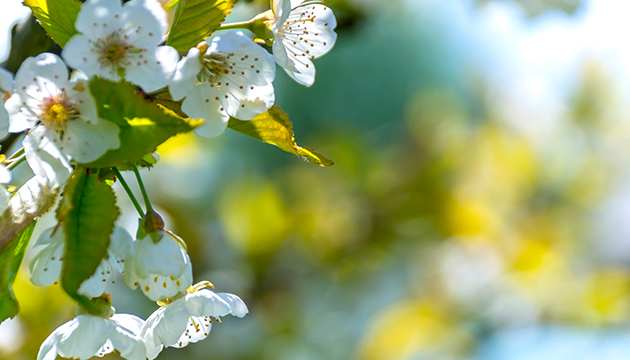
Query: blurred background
[[477, 208]]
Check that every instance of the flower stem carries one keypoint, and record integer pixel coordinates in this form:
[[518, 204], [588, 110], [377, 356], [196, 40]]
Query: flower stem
[[16, 154], [124, 184], [147, 202], [16, 162], [236, 25]]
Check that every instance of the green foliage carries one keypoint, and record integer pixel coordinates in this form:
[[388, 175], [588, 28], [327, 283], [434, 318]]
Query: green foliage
[[90, 212], [196, 20], [143, 125], [275, 128], [10, 260], [57, 17]]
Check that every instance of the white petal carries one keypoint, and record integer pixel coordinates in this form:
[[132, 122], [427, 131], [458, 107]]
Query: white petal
[[204, 103], [184, 79], [126, 340], [119, 248], [48, 350], [47, 66], [165, 258], [153, 345], [78, 55], [4, 121], [237, 306], [97, 18], [197, 329], [167, 324], [144, 22], [45, 266], [206, 303], [84, 337], [45, 159], [156, 72], [281, 10], [6, 81], [5, 175], [19, 118], [96, 284], [86, 142], [257, 102]]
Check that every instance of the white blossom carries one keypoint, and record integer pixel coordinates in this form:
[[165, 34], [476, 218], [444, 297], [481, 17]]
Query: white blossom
[[188, 319], [45, 266], [162, 269], [121, 41], [55, 109], [233, 77], [303, 31], [86, 336], [6, 89]]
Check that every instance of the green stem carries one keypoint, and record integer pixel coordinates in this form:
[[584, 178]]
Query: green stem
[[16, 154], [16, 162], [124, 184], [147, 202], [236, 25]]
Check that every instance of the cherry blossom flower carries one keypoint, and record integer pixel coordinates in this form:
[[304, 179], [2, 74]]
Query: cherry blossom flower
[[46, 265], [188, 319], [303, 31], [6, 89], [162, 269], [121, 41], [232, 77], [86, 336], [58, 110]]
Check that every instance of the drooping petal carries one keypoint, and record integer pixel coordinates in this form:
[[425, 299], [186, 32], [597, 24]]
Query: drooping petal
[[281, 10], [45, 158], [155, 71], [204, 103], [48, 349], [96, 284], [185, 75], [166, 325], [165, 258], [119, 248], [197, 329], [237, 306], [206, 303], [83, 338], [124, 331], [45, 266]]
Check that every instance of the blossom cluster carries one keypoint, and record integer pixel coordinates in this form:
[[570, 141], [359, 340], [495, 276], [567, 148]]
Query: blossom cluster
[[229, 75]]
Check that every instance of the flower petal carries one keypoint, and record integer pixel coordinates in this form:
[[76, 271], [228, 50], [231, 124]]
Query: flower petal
[[83, 338], [197, 329], [48, 349], [6, 81], [237, 306], [96, 284], [167, 324], [78, 54], [206, 303], [123, 331], [98, 18], [155, 71], [144, 22], [87, 141], [204, 103], [45, 266], [185, 75], [45, 158]]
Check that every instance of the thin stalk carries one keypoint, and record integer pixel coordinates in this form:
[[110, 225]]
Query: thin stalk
[[124, 184], [16, 162], [147, 202], [16, 154], [236, 25]]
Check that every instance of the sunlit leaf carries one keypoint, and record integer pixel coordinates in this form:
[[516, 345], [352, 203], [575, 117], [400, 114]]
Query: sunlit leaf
[[10, 260], [275, 128], [143, 124], [57, 17], [89, 221], [196, 20]]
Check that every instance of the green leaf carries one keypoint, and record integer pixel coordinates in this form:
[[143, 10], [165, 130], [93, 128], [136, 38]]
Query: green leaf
[[88, 224], [275, 128], [10, 260], [196, 20], [57, 17], [143, 124]]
